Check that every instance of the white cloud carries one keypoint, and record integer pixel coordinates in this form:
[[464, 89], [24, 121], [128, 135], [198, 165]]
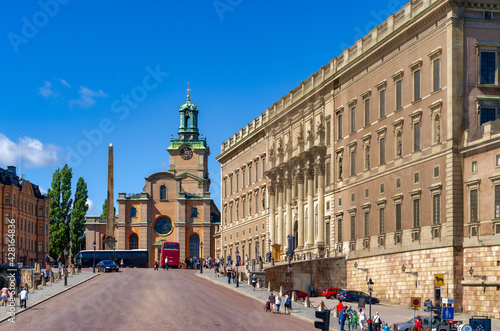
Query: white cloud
[[46, 90], [92, 210], [42, 190], [65, 83], [87, 97], [34, 154]]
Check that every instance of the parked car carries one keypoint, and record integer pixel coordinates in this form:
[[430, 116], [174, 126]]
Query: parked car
[[354, 296], [301, 295], [107, 265], [331, 292], [443, 326]]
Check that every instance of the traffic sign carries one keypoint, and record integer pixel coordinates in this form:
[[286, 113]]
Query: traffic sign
[[448, 313], [427, 303], [415, 302], [450, 301], [428, 310], [439, 280]]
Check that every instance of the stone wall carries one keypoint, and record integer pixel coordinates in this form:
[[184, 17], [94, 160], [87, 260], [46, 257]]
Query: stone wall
[[480, 293], [326, 272]]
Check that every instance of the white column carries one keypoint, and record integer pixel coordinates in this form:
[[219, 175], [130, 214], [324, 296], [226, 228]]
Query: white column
[[300, 209], [272, 221], [321, 203], [310, 207], [279, 235], [288, 186]]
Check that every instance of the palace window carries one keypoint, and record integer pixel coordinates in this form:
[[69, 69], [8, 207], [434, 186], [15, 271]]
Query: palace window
[[382, 104], [353, 119], [436, 72], [243, 207], [436, 209], [7, 198], [163, 192], [381, 220], [339, 127], [328, 129], [353, 227], [473, 206], [399, 94], [367, 224], [194, 212], [133, 241], [398, 217], [243, 178], [416, 213], [353, 163], [7, 218], [416, 85], [133, 212], [497, 201], [257, 202], [339, 230], [416, 137], [367, 112], [488, 67], [256, 171]]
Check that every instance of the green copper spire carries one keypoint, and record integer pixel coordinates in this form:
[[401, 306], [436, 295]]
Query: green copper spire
[[188, 129]]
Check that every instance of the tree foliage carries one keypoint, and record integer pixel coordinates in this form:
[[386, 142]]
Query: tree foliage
[[60, 208], [77, 222]]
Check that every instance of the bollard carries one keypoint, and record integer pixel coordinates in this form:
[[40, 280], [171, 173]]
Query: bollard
[[321, 306], [259, 285], [269, 286], [35, 285], [52, 277], [43, 281], [72, 271], [281, 291], [335, 313], [308, 303], [294, 296]]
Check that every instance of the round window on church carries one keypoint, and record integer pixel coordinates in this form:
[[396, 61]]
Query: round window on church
[[163, 226]]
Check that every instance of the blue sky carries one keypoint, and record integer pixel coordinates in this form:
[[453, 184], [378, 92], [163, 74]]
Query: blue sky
[[79, 75]]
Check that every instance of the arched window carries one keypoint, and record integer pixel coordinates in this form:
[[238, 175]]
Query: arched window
[[163, 192], [194, 245], [133, 212], [188, 122], [133, 241]]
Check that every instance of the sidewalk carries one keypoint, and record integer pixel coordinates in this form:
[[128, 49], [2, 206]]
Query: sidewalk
[[35, 297], [390, 313], [262, 294]]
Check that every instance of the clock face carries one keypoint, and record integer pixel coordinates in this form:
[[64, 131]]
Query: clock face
[[186, 153], [163, 226]]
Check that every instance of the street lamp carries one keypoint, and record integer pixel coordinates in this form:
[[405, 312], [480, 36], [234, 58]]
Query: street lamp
[[237, 263], [94, 257], [201, 257], [370, 290], [269, 251]]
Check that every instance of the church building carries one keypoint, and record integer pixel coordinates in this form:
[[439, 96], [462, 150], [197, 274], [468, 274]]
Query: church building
[[174, 206]]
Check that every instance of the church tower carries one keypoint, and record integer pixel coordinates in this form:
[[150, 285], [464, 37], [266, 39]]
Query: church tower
[[189, 152]]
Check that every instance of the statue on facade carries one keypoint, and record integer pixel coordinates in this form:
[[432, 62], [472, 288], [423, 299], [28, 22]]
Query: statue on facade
[[399, 148], [340, 168], [367, 157]]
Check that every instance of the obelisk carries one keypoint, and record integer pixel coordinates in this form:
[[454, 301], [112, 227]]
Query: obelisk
[[110, 241]]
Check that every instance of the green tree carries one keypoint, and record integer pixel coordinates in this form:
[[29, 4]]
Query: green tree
[[60, 209], [77, 221], [105, 210]]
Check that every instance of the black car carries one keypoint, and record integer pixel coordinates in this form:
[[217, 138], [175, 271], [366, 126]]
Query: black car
[[354, 296], [107, 265], [6, 271]]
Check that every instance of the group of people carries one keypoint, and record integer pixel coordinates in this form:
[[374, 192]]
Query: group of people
[[273, 304], [7, 295], [352, 318]]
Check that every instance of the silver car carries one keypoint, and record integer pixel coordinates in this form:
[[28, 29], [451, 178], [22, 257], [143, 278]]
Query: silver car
[[406, 326]]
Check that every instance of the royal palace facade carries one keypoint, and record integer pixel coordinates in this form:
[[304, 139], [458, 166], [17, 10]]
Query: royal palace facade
[[388, 156]]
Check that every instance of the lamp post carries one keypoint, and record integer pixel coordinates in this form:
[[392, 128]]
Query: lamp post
[[94, 257], [237, 263], [370, 289], [201, 257], [269, 250]]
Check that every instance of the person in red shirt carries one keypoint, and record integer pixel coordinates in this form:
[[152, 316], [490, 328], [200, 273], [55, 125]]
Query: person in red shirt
[[419, 324]]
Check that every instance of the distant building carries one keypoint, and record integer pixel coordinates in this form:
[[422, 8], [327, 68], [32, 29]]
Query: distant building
[[389, 156], [173, 206], [24, 206]]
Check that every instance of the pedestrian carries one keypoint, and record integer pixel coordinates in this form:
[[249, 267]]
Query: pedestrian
[[234, 275], [350, 321], [229, 276], [272, 300], [287, 303], [47, 261], [122, 264], [342, 318], [216, 267], [311, 290], [362, 318], [419, 324], [386, 327], [278, 304], [246, 259], [377, 321], [23, 297], [166, 264], [4, 295], [355, 319], [254, 281]]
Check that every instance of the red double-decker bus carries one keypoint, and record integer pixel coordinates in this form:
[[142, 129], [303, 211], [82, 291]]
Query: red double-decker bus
[[171, 250]]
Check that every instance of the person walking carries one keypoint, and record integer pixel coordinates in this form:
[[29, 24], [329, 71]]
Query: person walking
[[254, 281], [377, 321], [287, 303], [122, 264], [272, 300], [342, 317], [23, 296], [362, 318], [166, 264], [216, 267], [350, 321], [229, 273], [278, 304], [355, 319], [386, 327], [156, 265], [4, 296], [419, 324]]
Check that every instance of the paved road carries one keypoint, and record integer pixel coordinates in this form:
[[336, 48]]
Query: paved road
[[144, 298]]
